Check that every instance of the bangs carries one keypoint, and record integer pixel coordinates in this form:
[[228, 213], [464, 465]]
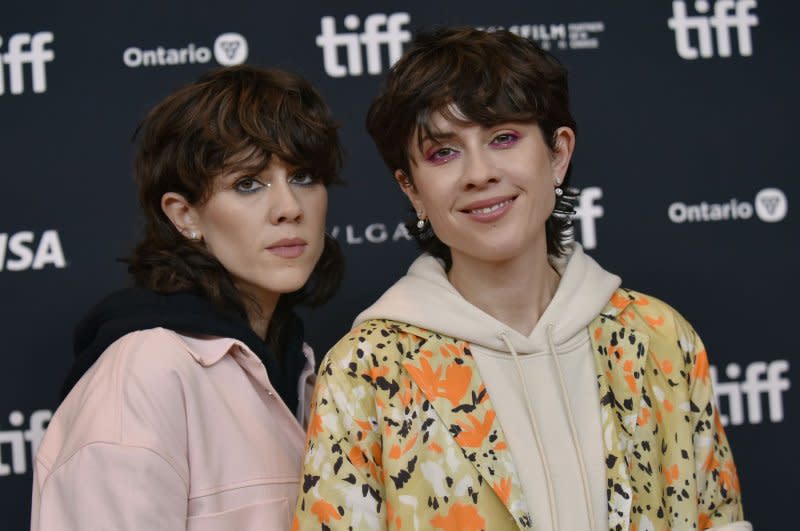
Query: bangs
[[482, 87], [467, 107], [254, 122]]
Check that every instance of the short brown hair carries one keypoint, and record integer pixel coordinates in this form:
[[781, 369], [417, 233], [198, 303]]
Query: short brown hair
[[243, 114], [489, 78]]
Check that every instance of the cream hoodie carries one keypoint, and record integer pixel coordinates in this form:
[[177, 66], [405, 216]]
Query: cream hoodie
[[543, 386]]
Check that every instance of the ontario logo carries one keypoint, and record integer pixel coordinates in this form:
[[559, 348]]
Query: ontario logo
[[769, 205], [228, 49]]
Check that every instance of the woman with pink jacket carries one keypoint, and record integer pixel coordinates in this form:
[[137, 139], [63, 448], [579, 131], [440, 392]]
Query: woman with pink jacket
[[187, 400]]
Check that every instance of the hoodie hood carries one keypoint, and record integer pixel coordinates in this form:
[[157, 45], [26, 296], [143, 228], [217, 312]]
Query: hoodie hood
[[135, 309], [425, 298]]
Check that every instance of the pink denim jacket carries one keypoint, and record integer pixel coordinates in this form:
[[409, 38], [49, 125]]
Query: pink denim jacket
[[167, 431]]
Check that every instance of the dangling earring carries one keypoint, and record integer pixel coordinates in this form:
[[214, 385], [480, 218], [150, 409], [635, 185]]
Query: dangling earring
[[565, 202], [420, 220]]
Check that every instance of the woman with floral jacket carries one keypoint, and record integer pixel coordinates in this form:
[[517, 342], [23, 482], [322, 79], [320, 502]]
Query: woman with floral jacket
[[507, 381]]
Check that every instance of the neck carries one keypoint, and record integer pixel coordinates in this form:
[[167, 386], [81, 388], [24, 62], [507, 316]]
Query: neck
[[259, 324], [515, 292], [260, 307]]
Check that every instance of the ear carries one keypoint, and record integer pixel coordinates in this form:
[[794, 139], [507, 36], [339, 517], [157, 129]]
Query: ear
[[182, 214], [564, 146], [408, 188]]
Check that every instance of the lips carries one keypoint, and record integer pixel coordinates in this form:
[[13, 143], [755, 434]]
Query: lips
[[288, 247], [487, 210]]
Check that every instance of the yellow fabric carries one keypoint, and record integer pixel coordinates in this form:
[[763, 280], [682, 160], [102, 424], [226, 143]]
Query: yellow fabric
[[404, 436]]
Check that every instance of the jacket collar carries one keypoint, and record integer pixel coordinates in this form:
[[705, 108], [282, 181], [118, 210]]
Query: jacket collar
[[445, 371], [620, 355], [209, 350]]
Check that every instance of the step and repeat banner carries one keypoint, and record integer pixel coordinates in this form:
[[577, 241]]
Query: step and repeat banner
[[687, 114]]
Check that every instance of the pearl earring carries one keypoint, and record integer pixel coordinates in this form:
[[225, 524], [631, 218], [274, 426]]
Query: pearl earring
[[421, 220]]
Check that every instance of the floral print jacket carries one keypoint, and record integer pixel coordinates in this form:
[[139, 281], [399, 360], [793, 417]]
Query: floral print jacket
[[404, 436]]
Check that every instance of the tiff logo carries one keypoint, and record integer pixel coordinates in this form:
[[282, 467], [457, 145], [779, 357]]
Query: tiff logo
[[16, 439], [379, 30], [760, 378], [586, 212], [728, 15], [24, 49]]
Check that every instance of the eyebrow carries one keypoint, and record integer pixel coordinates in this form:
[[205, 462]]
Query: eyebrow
[[437, 136]]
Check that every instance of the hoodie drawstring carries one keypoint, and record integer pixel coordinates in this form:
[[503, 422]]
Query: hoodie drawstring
[[573, 431], [551, 499], [571, 419]]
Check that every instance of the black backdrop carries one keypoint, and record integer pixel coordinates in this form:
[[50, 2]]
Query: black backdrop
[[686, 114]]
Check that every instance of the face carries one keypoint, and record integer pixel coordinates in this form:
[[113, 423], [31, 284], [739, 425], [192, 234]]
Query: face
[[266, 229], [487, 191]]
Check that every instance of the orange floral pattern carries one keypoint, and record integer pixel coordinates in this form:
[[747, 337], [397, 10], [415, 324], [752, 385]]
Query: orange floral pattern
[[404, 435]]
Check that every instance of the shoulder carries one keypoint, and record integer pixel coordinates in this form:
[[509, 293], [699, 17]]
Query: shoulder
[[372, 356], [671, 338], [157, 362], [384, 338], [143, 357], [152, 363], [647, 313], [133, 395]]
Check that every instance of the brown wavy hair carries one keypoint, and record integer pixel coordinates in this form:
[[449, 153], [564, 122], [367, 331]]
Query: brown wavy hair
[[490, 78], [243, 114]]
